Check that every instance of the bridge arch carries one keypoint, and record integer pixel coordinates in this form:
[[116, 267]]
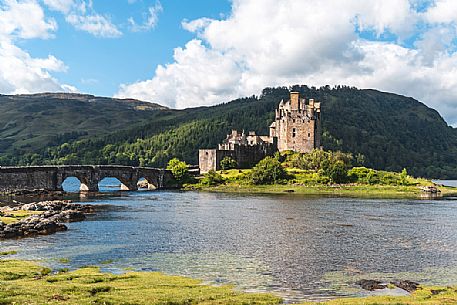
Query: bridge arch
[[71, 184], [88, 183], [128, 179]]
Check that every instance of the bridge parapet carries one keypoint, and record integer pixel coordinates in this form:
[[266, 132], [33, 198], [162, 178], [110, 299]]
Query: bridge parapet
[[51, 178]]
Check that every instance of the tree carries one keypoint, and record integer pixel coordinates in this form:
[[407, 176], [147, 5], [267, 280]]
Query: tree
[[337, 172], [268, 171], [228, 163], [178, 169]]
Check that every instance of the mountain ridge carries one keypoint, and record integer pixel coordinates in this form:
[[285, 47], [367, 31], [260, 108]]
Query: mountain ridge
[[392, 131]]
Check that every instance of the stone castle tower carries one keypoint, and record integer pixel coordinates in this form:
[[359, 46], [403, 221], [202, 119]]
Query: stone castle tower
[[297, 125]]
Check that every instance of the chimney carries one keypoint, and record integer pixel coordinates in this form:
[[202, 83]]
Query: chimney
[[294, 100]]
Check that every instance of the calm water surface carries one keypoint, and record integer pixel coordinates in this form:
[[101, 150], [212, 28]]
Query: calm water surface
[[299, 248]]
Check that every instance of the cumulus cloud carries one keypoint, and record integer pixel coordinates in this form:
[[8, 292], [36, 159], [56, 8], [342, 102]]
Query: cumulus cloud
[[19, 71], [442, 11], [25, 19], [315, 42], [151, 19], [179, 83]]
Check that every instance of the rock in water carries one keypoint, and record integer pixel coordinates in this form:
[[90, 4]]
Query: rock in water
[[407, 285], [371, 285]]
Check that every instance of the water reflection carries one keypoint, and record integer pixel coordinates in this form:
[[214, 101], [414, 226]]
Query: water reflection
[[298, 247]]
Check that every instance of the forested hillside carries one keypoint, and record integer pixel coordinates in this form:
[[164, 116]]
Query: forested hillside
[[391, 131]]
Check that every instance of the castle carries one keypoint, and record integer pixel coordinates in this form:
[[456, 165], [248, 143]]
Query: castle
[[297, 127]]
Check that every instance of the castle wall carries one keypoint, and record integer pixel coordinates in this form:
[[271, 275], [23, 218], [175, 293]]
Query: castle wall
[[207, 160], [246, 156]]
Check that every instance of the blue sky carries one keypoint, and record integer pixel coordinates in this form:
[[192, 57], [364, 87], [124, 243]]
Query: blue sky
[[98, 65], [183, 53]]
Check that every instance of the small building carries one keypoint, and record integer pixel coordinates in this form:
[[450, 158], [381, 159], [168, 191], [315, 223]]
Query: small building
[[297, 127]]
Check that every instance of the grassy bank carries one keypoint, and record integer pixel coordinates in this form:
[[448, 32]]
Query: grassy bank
[[309, 183], [23, 282]]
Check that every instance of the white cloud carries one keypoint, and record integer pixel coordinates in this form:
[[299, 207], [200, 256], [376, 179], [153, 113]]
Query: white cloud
[[63, 6], [95, 24], [25, 19], [179, 83], [81, 15], [442, 11], [195, 26], [151, 19], [19, 71], [315, 42]]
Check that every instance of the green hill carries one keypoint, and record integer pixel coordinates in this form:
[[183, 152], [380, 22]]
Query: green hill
[[390, 130], [31, 122]]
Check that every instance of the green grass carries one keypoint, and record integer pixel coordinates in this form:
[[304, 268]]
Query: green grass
[[5, 253], [24, 282], [308, 183], [15, 216]]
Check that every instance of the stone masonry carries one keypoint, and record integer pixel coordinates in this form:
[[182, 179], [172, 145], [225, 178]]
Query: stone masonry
[[297, 124]]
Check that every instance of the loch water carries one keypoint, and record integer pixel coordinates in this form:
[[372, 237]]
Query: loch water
[[297, 247]]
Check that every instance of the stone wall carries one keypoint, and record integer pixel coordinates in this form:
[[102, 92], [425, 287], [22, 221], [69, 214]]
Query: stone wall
[[246, 156]]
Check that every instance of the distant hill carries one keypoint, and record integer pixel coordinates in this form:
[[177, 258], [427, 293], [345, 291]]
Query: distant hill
[[31, 122], [392, 131]]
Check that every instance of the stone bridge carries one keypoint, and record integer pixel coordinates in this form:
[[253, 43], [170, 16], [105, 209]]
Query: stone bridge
[[50, 178]]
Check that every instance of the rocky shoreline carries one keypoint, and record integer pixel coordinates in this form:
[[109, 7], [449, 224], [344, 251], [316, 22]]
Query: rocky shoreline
[[41, 218]]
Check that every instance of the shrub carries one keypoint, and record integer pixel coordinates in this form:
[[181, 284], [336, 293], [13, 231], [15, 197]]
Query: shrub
[[365, 175], [319, 159], [178, 169], [212, 178], [228, 163], [403, 177], [268, 171], [358, 174], [337, 172]]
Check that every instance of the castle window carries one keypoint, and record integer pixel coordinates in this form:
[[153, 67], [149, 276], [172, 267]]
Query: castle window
[[294, 132], [309, 135], [293, 120]]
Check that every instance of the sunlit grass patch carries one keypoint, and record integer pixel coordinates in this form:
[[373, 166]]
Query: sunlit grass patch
[[10, 217], [24, 282]]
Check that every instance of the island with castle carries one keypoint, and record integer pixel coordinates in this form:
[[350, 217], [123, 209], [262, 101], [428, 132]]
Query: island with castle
[[293, 158], [297, 127]]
